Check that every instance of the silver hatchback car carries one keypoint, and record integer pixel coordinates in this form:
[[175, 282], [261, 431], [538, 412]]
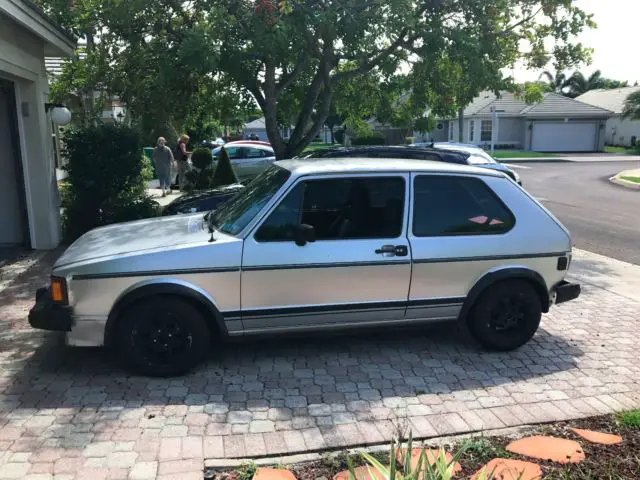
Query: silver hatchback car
[[311, 245]]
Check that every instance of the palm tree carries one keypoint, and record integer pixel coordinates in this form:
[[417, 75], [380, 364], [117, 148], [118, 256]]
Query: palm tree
[[554, 83], [579, 84], [632, 106]]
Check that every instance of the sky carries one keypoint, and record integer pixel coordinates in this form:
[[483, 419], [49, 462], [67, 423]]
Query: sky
[[615, 41]]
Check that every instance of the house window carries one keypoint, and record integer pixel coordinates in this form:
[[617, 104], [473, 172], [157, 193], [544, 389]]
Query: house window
[[485, 131], [450, 130], [472, 128]]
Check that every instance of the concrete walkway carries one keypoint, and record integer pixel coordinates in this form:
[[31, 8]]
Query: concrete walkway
[[71, 413]]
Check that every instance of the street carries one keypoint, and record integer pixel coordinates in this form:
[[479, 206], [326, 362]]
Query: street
[[601, 216]]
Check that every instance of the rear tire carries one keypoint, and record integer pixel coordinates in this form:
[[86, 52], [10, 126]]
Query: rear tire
[[162, 336], [506, 316]]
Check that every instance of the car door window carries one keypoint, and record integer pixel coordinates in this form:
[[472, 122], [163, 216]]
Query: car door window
[[254, 153], [346, 208], [452, 205], [235, 152]]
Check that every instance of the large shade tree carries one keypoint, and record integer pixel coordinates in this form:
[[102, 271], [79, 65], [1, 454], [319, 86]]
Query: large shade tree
[[295, 56], [272, 47]]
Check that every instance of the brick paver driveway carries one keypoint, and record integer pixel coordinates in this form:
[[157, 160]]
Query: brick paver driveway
[[73, 414]]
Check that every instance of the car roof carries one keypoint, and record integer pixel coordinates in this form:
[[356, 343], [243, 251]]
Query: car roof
[[393, 151], [373, 165], [259, 146], [369, 148], [458, 147]]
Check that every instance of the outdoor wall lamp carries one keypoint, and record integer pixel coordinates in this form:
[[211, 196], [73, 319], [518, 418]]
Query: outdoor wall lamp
[[60, 115]]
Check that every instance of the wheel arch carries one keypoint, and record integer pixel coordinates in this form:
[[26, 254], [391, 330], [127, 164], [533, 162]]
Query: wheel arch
[[508, 273], [195, 295]]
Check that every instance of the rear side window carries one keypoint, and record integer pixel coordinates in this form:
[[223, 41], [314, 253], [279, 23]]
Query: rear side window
[[451, 205]]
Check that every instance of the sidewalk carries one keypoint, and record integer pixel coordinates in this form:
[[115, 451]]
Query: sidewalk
[[609, 274], [579, 158]]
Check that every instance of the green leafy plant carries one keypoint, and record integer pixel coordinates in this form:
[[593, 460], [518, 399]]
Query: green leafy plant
[[438, 468], [224, 173], [246, 471], [107, 178], [201, 176], [630, 418]]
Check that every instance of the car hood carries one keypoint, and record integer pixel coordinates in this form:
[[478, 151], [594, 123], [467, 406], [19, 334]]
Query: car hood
[[137, 236]]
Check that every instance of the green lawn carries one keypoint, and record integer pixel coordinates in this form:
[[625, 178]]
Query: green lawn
[[520, 154], [627, 150], [320, 146], [631, 179]]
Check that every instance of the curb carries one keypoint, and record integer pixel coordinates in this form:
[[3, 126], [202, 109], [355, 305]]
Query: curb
[[311, 456], [618, 180], [534, 160]]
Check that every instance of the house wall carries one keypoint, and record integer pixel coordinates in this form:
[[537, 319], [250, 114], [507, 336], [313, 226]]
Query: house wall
[[511, 131], [619, 131], [22, 62], [260, 132]]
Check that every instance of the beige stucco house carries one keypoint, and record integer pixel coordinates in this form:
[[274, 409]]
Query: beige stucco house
[[29, 200], [555, 124], [619, 131]]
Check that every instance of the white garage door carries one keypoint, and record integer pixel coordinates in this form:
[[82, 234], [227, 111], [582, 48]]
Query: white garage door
[[564, 137]]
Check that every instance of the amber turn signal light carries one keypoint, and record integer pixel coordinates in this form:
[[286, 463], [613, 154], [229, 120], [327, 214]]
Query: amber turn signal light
[[58, 290]]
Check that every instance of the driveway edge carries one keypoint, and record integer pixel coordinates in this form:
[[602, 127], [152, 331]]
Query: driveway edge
[[291, 459]]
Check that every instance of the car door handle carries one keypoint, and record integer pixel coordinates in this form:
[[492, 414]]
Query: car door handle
[[393, 250]]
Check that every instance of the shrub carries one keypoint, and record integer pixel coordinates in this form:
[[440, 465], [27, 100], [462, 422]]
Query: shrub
[[200, 177], [201, 158], [338, 136], [224, 174], [372, 139], [107, 178], [409, 140]]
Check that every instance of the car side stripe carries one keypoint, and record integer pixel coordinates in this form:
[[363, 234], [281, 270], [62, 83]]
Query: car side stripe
[[149, 273], [349, 307], [299, 266], [488, 258]]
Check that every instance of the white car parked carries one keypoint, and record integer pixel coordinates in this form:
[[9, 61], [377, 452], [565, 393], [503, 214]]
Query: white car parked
[[248, 159]]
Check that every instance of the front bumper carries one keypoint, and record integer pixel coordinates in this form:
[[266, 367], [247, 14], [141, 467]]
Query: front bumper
[[46, 315], [565, 291]]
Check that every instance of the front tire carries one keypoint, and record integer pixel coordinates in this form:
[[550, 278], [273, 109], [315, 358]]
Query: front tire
[[506, 316], [162, 337]]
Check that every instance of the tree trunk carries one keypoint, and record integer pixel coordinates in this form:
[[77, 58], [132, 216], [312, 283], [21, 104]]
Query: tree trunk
[[461, 124]]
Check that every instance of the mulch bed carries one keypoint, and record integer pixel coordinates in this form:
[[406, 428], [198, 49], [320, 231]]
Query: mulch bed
[[610, 462]]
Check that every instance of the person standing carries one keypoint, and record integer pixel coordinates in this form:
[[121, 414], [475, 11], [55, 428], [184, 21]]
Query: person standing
[[182, 157], [163, 161]]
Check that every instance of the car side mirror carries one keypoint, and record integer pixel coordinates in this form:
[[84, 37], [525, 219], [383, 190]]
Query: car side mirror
[[304, 234]]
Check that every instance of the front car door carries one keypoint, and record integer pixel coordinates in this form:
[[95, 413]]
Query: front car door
[[356, 272]]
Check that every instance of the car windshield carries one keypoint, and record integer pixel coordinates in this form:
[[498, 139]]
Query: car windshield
[[232, 216]]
